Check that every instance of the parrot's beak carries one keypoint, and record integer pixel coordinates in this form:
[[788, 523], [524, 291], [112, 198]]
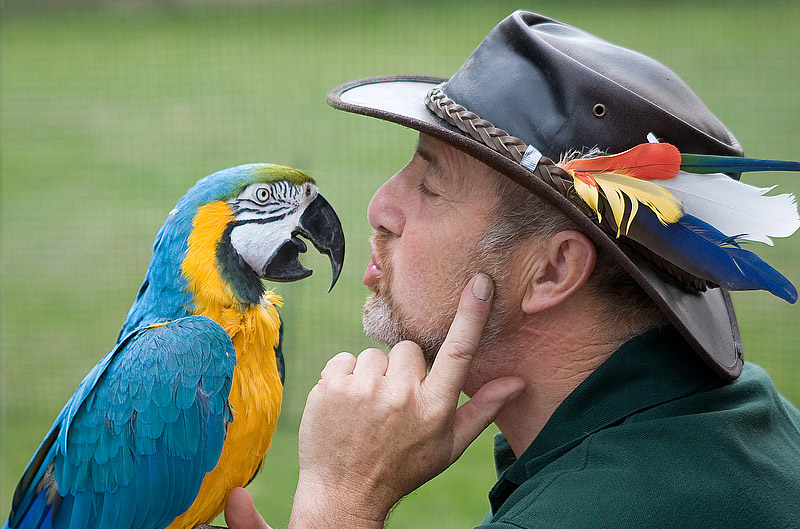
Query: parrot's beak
[[320, 225]]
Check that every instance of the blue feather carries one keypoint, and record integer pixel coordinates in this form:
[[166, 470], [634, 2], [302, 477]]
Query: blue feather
[[709, 163], [703, 251], [113, 439], [37, 512]]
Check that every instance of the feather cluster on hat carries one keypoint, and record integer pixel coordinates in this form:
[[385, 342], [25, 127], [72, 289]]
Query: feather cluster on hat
[[653, 195]]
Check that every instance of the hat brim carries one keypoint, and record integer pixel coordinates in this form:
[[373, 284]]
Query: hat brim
[[705, 319]]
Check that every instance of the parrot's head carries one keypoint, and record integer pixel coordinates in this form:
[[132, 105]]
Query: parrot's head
[[249, 219], [269, 215]]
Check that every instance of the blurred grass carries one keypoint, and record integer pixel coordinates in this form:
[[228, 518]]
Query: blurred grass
[[107, 115]]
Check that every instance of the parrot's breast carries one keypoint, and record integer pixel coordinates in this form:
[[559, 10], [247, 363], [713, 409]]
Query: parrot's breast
[[255, 399], [256, 389]]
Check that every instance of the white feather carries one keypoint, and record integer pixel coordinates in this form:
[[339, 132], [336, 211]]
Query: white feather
[[735, 208]]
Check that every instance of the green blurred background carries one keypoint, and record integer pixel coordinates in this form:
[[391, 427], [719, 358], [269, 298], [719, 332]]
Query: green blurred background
[[109, 111]]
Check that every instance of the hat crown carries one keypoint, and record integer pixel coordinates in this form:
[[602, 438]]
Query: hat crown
[[559, 88]]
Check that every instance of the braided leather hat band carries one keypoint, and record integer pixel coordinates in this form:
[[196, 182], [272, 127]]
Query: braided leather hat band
[[472, 124], [497, 139]]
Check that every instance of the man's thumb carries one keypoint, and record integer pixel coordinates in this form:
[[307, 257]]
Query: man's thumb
[[480, 411], [240, 513]]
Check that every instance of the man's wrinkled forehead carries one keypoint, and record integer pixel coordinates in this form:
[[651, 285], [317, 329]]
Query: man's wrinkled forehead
[[431, 153], [452, 165], [438, 154]]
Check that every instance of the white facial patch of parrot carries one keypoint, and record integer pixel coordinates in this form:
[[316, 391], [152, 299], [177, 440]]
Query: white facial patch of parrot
[[267, 216], [257, 243]]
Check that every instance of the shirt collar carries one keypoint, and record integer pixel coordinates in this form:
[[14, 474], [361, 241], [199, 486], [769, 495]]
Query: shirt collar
[[650, 369]]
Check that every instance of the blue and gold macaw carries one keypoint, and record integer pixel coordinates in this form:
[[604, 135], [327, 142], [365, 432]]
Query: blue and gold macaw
[[184, 406]]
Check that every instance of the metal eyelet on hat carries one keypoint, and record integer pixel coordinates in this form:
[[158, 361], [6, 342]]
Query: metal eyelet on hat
[[599, 110]]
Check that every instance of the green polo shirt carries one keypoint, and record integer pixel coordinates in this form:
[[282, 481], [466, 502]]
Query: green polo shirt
[[653, 438]]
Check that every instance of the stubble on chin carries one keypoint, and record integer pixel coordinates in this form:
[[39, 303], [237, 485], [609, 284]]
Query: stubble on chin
[[385, 322]]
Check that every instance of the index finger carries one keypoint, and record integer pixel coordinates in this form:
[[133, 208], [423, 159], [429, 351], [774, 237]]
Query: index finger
[[449, 370]]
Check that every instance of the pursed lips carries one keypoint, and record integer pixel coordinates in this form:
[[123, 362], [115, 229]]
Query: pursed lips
[[373, 272]]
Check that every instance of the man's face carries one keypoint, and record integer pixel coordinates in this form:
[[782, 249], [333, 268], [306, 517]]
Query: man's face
[[429, 220]]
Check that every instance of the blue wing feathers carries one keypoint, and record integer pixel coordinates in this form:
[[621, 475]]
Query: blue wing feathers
[[26, 496], [131, 447], [37, 511], [703, 251]]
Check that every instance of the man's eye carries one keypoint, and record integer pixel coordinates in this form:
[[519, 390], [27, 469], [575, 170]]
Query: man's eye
[[425, 190]]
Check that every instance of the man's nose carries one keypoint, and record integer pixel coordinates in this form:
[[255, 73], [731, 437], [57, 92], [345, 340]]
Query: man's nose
[[385, 209]]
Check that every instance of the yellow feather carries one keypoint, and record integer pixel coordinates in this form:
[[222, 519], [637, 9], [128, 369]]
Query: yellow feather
[[587, 193], [256, 389], [616, 187], [199, 266]]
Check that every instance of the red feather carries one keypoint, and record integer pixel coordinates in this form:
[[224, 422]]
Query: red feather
[[647, 161]]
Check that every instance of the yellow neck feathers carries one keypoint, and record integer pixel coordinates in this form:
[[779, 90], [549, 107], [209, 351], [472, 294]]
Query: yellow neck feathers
[[256, 390]]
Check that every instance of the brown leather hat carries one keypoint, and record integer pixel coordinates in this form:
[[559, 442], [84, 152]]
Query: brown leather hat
[[558, 88]]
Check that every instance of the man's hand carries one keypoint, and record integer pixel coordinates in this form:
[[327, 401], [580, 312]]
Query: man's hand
[[377, 427], [240, 513]]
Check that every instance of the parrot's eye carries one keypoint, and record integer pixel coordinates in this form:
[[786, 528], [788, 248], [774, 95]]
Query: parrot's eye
[[308, 190], [262, 194]]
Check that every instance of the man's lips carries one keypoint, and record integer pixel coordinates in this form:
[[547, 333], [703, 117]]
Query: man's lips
[[373, 272]]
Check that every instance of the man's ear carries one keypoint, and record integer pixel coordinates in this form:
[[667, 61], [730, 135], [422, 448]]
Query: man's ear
[[564, 265]]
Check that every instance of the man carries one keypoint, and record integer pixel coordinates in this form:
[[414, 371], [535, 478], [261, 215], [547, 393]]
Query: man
[[610, 359]]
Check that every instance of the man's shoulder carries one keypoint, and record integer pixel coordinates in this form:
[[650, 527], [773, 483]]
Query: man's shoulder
[[600, 484], [725, 457]]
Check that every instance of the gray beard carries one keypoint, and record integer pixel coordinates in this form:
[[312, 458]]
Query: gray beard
[[385, 323], [382, 324]]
